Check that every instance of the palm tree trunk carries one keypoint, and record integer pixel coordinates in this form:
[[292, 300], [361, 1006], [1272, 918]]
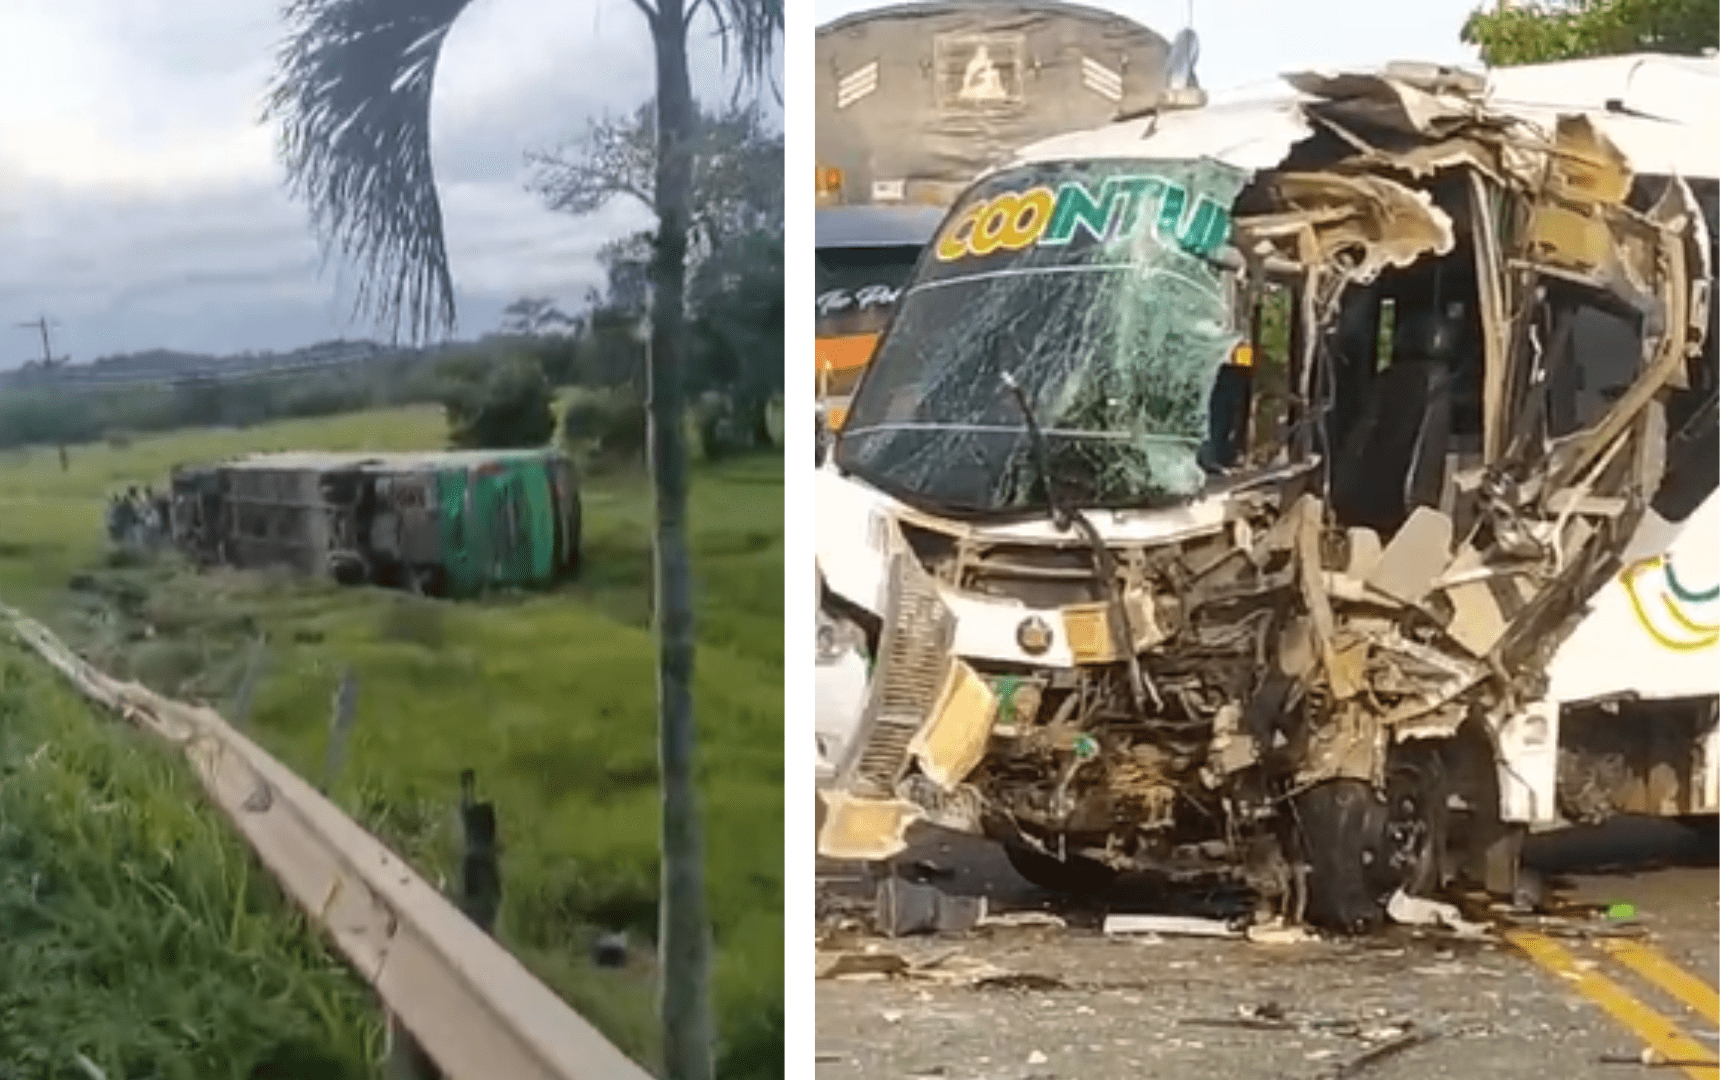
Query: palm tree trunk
[[685, 969]]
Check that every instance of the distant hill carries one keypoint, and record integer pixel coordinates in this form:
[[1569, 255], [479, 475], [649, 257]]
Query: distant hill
[[167, 366]]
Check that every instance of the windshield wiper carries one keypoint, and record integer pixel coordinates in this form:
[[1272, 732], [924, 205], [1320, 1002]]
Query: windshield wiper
[[1060, 515], [1141, 688]]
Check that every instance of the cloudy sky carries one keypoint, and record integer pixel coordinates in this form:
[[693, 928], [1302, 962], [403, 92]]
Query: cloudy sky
[[141, 205], [1243, 40]]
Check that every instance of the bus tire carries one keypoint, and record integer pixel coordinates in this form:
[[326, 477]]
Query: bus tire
[[1074, 877], [1362, 844]]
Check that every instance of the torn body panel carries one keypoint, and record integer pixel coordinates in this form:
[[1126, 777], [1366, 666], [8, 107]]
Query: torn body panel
[[1126, 650]]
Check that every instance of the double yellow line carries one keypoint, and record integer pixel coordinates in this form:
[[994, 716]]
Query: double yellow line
[[1659, 1032]]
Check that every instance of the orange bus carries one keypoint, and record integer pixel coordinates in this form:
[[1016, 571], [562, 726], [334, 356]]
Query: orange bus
[[865, 254]]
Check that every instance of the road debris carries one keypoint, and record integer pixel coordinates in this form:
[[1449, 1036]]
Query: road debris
[[1654, 1059], [948, 967], [1451, 968], [1354, 1066], [907, 907], [1593, 925], [1271, 1016], [1278, 932], [858, 966], [1012, 919], [1170, 926], [1247, 1023], [1417, 911]]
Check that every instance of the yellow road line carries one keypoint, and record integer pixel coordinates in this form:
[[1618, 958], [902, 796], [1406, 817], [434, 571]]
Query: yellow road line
[[1657, 1031], [1654, 966]]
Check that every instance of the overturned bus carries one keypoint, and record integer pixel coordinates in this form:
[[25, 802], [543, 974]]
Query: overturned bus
[[442, 523], [1469, 582]]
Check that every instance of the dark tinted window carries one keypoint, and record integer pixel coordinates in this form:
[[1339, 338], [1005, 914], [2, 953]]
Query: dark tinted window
[[858, 287]]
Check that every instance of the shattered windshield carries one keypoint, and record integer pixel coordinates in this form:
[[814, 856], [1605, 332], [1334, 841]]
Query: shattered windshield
[[1089, 283]]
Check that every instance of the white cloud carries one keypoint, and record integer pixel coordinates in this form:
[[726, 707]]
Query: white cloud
[[141, 205]]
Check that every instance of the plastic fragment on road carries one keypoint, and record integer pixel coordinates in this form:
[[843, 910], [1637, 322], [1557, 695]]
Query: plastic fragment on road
[[1170, 925], [1278, 932], [1023, 919], [1409, 910], [1654, 1059]]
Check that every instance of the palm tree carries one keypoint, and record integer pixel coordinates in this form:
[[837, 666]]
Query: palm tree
[[351, 104]]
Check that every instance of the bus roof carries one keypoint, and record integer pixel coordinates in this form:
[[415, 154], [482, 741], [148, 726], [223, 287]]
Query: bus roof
[[1663, 113]]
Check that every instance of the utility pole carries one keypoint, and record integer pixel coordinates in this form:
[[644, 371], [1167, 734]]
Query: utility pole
[[41, 324]]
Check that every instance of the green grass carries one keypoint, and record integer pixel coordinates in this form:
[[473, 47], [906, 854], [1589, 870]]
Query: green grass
[[549, 697], [138, 934]]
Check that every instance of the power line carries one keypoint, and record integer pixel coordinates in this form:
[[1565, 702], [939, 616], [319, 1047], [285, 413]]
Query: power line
[[41, 324], [91, 381]]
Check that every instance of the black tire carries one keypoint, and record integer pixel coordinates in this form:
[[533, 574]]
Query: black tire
[[1076, 877], [1362, 845], [349, 570]]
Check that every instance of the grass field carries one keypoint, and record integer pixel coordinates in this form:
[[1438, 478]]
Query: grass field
[[138, 934], [549, 697]]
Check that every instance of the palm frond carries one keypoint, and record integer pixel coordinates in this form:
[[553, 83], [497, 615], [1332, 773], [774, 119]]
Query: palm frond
[[351, 103], [747, 31]]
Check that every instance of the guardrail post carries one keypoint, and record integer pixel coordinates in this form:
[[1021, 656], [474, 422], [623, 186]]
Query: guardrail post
[[480, 865], [480, 899], [406, 1059], [254, 665], [339, 726]]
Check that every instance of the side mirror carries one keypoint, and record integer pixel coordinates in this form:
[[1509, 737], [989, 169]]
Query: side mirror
[[1185, 51]]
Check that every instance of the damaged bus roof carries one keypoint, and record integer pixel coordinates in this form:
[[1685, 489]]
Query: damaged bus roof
[[1662, 112]]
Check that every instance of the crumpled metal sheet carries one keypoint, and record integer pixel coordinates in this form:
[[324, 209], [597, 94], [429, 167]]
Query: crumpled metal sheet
[[1390, 103], [1389, 223]]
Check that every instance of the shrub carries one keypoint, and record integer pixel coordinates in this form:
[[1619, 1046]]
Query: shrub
[[606, 428], [509, 405]]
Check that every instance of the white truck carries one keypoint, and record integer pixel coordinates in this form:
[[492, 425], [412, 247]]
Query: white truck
[[1469, 574]]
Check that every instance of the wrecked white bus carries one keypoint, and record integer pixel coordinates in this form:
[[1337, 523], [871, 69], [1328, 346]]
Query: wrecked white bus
[[1472, 577]]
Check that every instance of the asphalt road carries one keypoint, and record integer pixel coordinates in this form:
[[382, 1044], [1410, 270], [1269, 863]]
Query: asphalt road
[[1069, 1002]]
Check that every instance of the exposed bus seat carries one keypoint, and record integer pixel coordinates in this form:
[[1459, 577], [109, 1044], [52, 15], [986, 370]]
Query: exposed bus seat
[[1395, 456]]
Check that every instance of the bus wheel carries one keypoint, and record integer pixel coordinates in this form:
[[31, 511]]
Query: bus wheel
[[1075, 877], [1362, 844]]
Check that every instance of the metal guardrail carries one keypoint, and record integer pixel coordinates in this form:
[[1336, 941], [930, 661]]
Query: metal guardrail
[[472, 1007]]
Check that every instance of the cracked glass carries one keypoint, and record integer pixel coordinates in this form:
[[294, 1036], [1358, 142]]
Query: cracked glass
[[1093, 285]]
